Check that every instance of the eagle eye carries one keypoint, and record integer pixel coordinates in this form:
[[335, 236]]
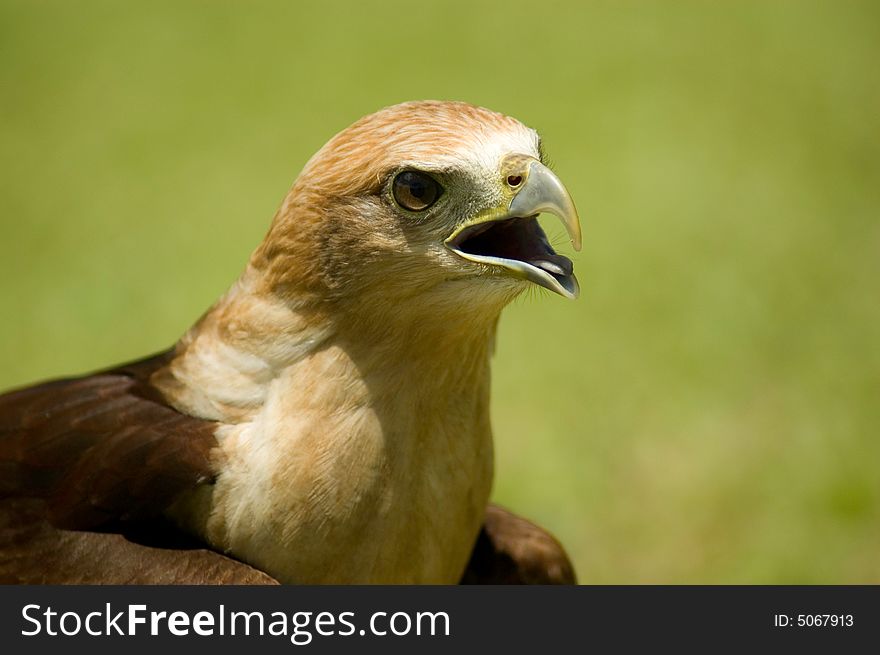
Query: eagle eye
[[415, 191]]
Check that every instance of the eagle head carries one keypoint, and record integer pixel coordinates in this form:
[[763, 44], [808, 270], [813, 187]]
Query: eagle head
[[427, 199]]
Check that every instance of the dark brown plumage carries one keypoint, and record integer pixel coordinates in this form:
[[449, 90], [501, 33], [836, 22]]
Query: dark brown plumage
[[512, 550], [101, 449]]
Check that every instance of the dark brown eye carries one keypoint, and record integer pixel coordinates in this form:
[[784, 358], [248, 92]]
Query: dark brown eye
[[415, 191]]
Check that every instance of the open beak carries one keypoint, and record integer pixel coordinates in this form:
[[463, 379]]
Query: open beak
[[510, 236]]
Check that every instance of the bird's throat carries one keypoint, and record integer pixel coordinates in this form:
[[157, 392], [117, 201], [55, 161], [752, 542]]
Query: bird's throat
[[356, 451]]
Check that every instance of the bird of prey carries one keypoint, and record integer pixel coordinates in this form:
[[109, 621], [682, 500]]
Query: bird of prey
[[327, 420]]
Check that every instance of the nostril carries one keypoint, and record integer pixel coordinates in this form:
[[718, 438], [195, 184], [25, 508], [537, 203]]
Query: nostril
[[514, 181]]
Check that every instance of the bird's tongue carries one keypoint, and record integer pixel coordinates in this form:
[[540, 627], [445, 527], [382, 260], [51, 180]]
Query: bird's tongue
[[554, 264]]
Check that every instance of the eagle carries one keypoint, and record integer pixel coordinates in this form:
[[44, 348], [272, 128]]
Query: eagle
[[326, 421]]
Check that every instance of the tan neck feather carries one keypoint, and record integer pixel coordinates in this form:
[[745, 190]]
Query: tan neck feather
[[226, 362]]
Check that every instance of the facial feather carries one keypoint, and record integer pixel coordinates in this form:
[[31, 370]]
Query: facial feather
[[336, 222]]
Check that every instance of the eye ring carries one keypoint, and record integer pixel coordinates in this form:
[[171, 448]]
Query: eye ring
[[415, 191]]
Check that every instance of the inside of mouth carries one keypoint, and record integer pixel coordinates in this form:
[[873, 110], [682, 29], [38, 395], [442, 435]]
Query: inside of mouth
[[515, 238]]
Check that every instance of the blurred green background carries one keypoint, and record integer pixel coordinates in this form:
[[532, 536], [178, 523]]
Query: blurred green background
[[707, 412]]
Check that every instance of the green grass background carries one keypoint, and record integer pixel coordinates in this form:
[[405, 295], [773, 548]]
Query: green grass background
[[707, 412]]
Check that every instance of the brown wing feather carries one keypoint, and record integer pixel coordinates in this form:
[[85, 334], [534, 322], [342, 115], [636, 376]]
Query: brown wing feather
[[32, 551], [103, 452], [512, 550], [101, 448]]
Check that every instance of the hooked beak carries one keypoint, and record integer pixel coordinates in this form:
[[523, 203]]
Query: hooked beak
[[510, 236]]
